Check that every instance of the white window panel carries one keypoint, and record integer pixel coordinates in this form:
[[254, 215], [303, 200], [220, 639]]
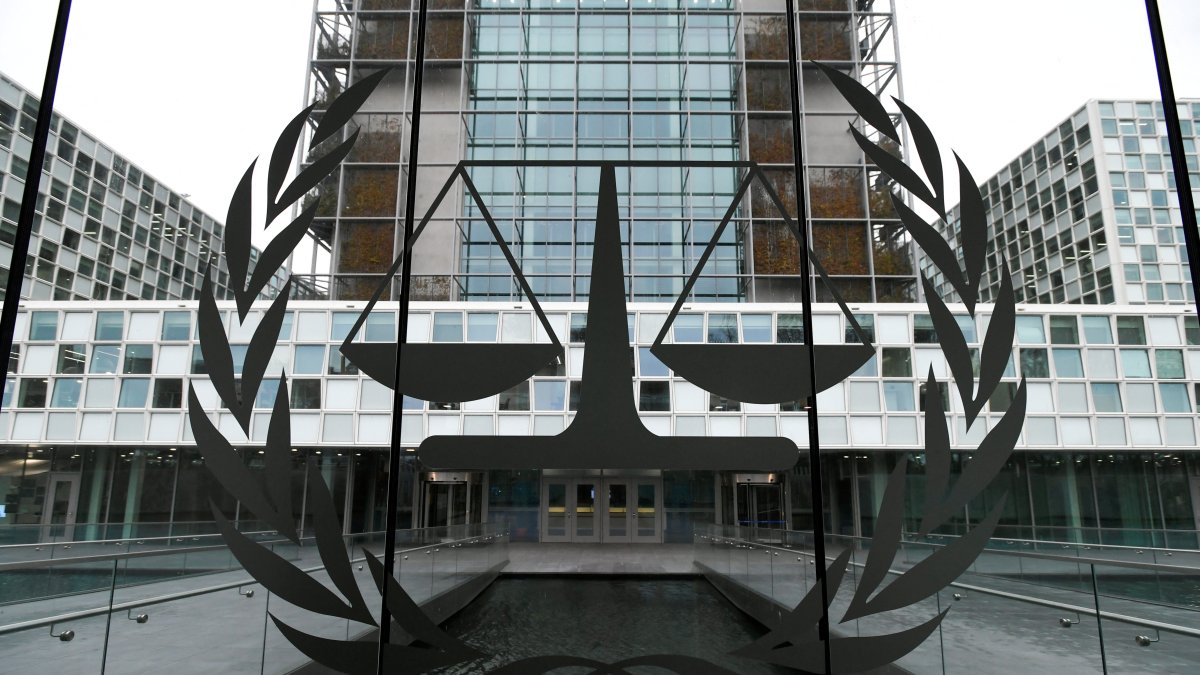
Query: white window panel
[[206, 394], [690, 426], [866, 430], [575, 362], [689, 398], [37, 360], [1076, 431], [725, 426], [514, 425], [1102, 364], [22, 320], [131, 427], [516, 327], [1072, 397], [338, 429], [648, 327], [1164, 331], [832, 399], [759, 407], [243, 332], [28, 426], [659, 425], [864, 397], [1139, 398], [173, 360], [479, 425], [547, 425], [418, 327], [761, 426], [795, 428], [305, 427], [489, 404], [974, 435], [230, 428], [1040, 431], [164, 427], [340, 394], [558, 322], [143, 327], [832, 430], [95, 427], [260, 426], [1111, 431], [1144, 431], [892, 329], [61, 427], [375, 396], [902, 431], [1039, 398], [312, 327], [827, 329], [375, 429], [76, 325], [101, 393], [924, 359], [444, 425], [1180, 431]]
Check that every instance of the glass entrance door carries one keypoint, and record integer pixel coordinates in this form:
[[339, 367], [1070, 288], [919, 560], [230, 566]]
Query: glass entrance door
[[451, 499], [760, 508], [585, 526], [633, 511], [570, 510], [555, 520], [646, 516], [616, 519], [58, 513]]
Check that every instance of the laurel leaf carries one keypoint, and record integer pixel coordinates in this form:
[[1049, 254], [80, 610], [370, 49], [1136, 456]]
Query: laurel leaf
[[998, 341], [895, 168], [862, 100], [931, 157], [331, 546], [214, 346], [278, 456], [993, 451], [346, 104], [801, 624], [281, 160], [237, 231], [972, 235], [279, 576], [885, 543], [853, 654], [932, 243], [258, 355], [954, 348], [315, 173], [409, 616], [226, 465], [937, 455], [276, 253]]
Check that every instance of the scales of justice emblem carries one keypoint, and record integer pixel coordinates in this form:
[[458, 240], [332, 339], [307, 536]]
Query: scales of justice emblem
[[606, 432]]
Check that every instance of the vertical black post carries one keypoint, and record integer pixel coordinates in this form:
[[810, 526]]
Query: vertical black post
[[1099, 619], [33, 179], [814, 443], [1183, 183], [410, 195]]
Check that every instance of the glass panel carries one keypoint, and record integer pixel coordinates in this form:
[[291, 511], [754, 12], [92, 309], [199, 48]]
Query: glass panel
[[585, 509], [618, 512], [556, 510], [647, 510]]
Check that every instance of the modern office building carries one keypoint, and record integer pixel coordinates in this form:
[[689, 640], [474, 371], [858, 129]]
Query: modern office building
[[95, 427], [661, 81], [105, 229], [1088, 214]]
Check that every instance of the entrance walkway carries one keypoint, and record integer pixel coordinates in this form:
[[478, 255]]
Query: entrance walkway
[[627, 559]]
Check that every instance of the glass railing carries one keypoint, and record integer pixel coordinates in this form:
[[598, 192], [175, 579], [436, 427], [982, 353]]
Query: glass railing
[[1135, 610], [222, 621]]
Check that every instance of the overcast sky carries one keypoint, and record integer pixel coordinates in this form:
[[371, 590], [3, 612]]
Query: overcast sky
[[193, 91]]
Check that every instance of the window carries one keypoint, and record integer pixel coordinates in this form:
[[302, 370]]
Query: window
[[134, 391], [1072, 397], [176, 325], [867, 323], [579, 327], [718, 404], [71, 359], [654, 397], [1168, 363], [66, 392], [923, 332], [1064, 330], [481, 326], [168, 393], [267, 391], [549, 395], [722, 328], [33, 393], [1097, 330], [790, 329], [1030, 330], [898, 396], [1131, 330], [139, 359], [1174, 397], [110, 325], [1106, 396], [649, 365], [306, 394], [339, 364], [756, 327], [689, 328], [897, 362], [43, 326], [342, 323], [1034, 363], [105, 359], [1135, 362], [1067, 362], [309, 359], [1003, 396], [516, 398]]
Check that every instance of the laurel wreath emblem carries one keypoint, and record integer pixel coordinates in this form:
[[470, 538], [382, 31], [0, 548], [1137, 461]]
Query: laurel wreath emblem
[[792, 642]]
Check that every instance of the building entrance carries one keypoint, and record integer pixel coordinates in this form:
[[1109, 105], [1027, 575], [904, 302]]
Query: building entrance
[[610, 509], [451, 498], [58, 511], [759, 504]]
